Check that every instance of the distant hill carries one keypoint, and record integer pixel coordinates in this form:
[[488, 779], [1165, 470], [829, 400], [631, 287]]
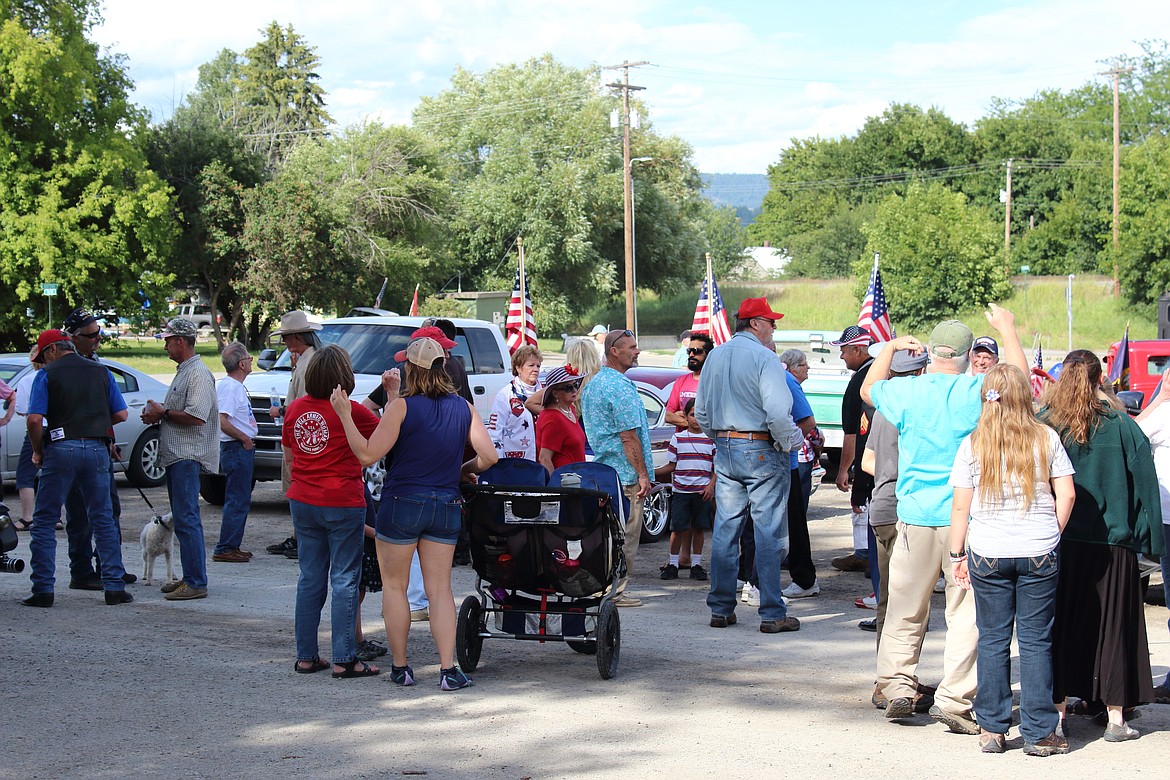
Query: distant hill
[[743, 191]]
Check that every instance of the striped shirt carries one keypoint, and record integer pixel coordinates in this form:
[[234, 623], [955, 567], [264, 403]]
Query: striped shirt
[[693, 455], [192, 391]]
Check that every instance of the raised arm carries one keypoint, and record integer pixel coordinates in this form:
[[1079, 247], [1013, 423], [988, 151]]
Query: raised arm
[[369, 451], [1004, 323]]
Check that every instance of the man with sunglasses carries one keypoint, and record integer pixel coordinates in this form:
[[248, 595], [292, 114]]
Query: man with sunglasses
[[86, 333], [745, 407]]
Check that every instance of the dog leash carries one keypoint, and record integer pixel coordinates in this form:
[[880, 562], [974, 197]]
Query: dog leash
[[126, 471]]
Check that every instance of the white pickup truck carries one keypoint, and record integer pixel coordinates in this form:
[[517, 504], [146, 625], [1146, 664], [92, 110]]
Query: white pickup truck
[[371, 343]]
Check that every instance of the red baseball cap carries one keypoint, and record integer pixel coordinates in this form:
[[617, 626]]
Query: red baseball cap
[[431, 332], [756, 307], [47, 338]]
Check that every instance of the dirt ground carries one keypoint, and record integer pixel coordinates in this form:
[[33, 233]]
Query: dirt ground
[[206, 688]]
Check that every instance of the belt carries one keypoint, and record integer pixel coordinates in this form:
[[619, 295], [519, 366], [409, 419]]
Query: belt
[[753, 435]]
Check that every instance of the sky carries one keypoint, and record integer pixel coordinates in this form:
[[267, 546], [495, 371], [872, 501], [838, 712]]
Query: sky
[[737, 80]]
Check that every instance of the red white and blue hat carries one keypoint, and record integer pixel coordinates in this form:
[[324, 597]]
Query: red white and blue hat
[[854, 335], [561, 375]]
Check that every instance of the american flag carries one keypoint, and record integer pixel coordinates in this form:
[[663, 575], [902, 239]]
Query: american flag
[[710, 315], [521, 329], [1039, 377], [875, 314]]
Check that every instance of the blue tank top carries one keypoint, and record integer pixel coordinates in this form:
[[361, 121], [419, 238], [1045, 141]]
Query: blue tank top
[[429, 452]]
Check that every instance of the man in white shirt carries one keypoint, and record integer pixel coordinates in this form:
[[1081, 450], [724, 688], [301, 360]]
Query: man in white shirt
[[237, 428]]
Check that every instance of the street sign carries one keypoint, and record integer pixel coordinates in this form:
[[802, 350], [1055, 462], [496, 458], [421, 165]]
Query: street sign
[[49, 289]]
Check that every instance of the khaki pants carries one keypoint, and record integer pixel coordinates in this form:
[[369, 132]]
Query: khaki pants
[[886, 536], [919, 557], [633, 536]]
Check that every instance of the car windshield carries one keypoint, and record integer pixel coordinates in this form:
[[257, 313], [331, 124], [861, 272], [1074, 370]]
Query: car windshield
[[371, 348], [9, 370]]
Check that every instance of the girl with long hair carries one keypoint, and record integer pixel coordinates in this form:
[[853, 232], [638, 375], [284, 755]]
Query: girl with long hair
[[1100, 652], [1005, 531]]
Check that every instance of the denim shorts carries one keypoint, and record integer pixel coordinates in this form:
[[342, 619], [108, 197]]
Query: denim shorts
[[26, 472], [689, 511], [436, 515]]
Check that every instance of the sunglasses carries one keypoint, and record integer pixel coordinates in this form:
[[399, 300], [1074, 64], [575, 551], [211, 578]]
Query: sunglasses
[[569, 387], [97, 334], [698, 351]]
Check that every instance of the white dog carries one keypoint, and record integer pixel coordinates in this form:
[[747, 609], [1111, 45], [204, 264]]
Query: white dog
[[157, 538]]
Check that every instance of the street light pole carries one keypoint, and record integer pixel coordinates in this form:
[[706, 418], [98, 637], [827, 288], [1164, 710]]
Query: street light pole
[[634, 239]]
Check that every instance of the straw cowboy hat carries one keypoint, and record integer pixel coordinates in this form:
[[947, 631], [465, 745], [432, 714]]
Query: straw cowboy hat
[[295, 321]]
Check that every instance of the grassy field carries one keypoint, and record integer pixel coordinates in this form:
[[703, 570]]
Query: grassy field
[[149, 357]]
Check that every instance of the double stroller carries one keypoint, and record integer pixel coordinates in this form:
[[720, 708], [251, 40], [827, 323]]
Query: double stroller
[[547, 550]]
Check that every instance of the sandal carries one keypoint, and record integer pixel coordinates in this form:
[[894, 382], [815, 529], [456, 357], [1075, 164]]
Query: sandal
[[314, 665], [20, 524], [351, 670]]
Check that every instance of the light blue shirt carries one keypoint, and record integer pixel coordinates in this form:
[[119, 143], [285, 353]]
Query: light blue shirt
[[800, 410], [609, 406], [933, 414], [744, 387]]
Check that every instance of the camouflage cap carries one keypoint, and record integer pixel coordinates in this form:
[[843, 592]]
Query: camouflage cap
[[180, 327]]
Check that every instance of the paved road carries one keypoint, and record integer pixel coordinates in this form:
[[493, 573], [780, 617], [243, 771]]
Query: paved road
[[206, 688]]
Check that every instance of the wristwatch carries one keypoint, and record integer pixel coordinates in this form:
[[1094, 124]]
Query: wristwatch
[[166, 414]]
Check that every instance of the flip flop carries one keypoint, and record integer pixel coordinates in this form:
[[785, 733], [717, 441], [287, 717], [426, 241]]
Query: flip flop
[[315, 665], [352, 670], [20, 524]]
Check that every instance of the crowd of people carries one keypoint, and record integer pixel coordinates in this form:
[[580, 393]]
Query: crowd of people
[[1031, 515]]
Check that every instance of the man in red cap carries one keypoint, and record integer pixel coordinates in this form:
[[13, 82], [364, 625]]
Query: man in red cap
[[745, 407], [74, 403]]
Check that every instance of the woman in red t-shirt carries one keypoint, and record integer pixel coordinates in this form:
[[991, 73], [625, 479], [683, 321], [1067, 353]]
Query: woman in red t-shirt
[[559, 438], [328, 506]]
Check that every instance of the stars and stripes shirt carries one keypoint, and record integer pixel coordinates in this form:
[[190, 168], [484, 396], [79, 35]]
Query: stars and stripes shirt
[[694, 457]]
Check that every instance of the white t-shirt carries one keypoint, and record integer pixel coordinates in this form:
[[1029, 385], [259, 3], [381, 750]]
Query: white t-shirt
[[23, 390], [1004, 529], [232, 399], [1156, 427]]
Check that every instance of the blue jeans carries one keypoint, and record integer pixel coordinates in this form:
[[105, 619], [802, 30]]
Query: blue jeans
[[749, 476], [1019, 591], [329, 551], [183, 490], [78, 531], [235, 463], [83, 464]]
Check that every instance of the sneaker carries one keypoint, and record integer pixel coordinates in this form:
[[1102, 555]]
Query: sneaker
[[453, 679], [958, 724], [1162, 693], [996, 743], [627, 601], [280, 549], [404, 675], [291, 554], [794, 591], [941, 585], [698, 573], [1122, 733], [378, 647], [669, 572], [420, 615], [186, 593], [722, 621], [868, 625], [750, 596], [171, 586], [850, 562], [899, 708], [780, 626], [1053, 744], [866, 602], [366, 652]]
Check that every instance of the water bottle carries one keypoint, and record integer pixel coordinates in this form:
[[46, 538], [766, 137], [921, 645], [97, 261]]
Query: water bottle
[[274, 400]]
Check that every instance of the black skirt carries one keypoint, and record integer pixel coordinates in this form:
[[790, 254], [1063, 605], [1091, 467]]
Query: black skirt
[[371, 574], [1099, 647]]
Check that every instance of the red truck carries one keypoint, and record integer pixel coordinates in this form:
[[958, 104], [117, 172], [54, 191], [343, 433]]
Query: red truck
[[1148, 360]]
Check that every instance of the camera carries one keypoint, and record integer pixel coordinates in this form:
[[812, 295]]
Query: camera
[[8, 542]]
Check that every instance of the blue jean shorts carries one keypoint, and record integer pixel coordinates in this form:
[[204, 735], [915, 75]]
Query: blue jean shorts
[[26, 472], [688, 511], [436, 516]]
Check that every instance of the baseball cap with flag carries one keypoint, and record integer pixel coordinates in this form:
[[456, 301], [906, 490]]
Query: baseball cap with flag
[[853, 336]]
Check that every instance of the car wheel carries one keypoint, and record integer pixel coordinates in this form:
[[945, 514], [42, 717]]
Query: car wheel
[[143, 469], [656, 516], [213, 488]]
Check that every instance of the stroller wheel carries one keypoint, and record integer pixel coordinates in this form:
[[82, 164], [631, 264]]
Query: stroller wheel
[[468, 642], [609, 640], [584, 648]]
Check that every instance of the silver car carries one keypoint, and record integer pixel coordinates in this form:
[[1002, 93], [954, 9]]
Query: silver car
[[137, 441]]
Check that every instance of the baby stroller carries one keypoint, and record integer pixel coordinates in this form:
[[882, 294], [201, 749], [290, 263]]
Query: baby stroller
[[546, 552]]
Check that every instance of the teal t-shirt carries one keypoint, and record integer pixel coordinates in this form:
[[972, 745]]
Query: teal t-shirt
[[932, 414]]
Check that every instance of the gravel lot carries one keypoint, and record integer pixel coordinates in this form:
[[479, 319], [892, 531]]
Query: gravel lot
[[206, 688]]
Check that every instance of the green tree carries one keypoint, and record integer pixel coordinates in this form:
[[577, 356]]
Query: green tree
[[1144, 229], [726, 239], [78, 204], [939, 255], [830, 251]]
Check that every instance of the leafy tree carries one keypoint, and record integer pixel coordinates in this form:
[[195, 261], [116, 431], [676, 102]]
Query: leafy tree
[[78, 204], [1145, 221], [832, 250], [726, 239], [939, 255]]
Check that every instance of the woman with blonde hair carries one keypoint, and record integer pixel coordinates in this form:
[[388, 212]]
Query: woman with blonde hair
[[1005, 534], [1100, 652], [424, 432]]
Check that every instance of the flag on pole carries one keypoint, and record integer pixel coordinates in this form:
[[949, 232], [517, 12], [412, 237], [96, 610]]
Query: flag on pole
[[414, 303], [875, 314], [1038, 376], [378, 300], [710, 315], [1119, 367], [520, 325]]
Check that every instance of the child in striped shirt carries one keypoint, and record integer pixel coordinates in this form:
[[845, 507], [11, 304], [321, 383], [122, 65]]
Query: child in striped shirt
[[692, 506]]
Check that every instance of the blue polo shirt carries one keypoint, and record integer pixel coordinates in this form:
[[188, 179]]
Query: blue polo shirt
[[800, 410]]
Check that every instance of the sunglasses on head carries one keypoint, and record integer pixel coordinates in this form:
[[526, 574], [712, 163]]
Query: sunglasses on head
[[697, 351]]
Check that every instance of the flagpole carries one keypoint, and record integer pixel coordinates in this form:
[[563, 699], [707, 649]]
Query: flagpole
[[523, 286], [710, 281]]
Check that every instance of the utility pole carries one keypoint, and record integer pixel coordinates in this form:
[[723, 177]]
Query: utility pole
[[1007, 223], [625, 86], [1116, 73]]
